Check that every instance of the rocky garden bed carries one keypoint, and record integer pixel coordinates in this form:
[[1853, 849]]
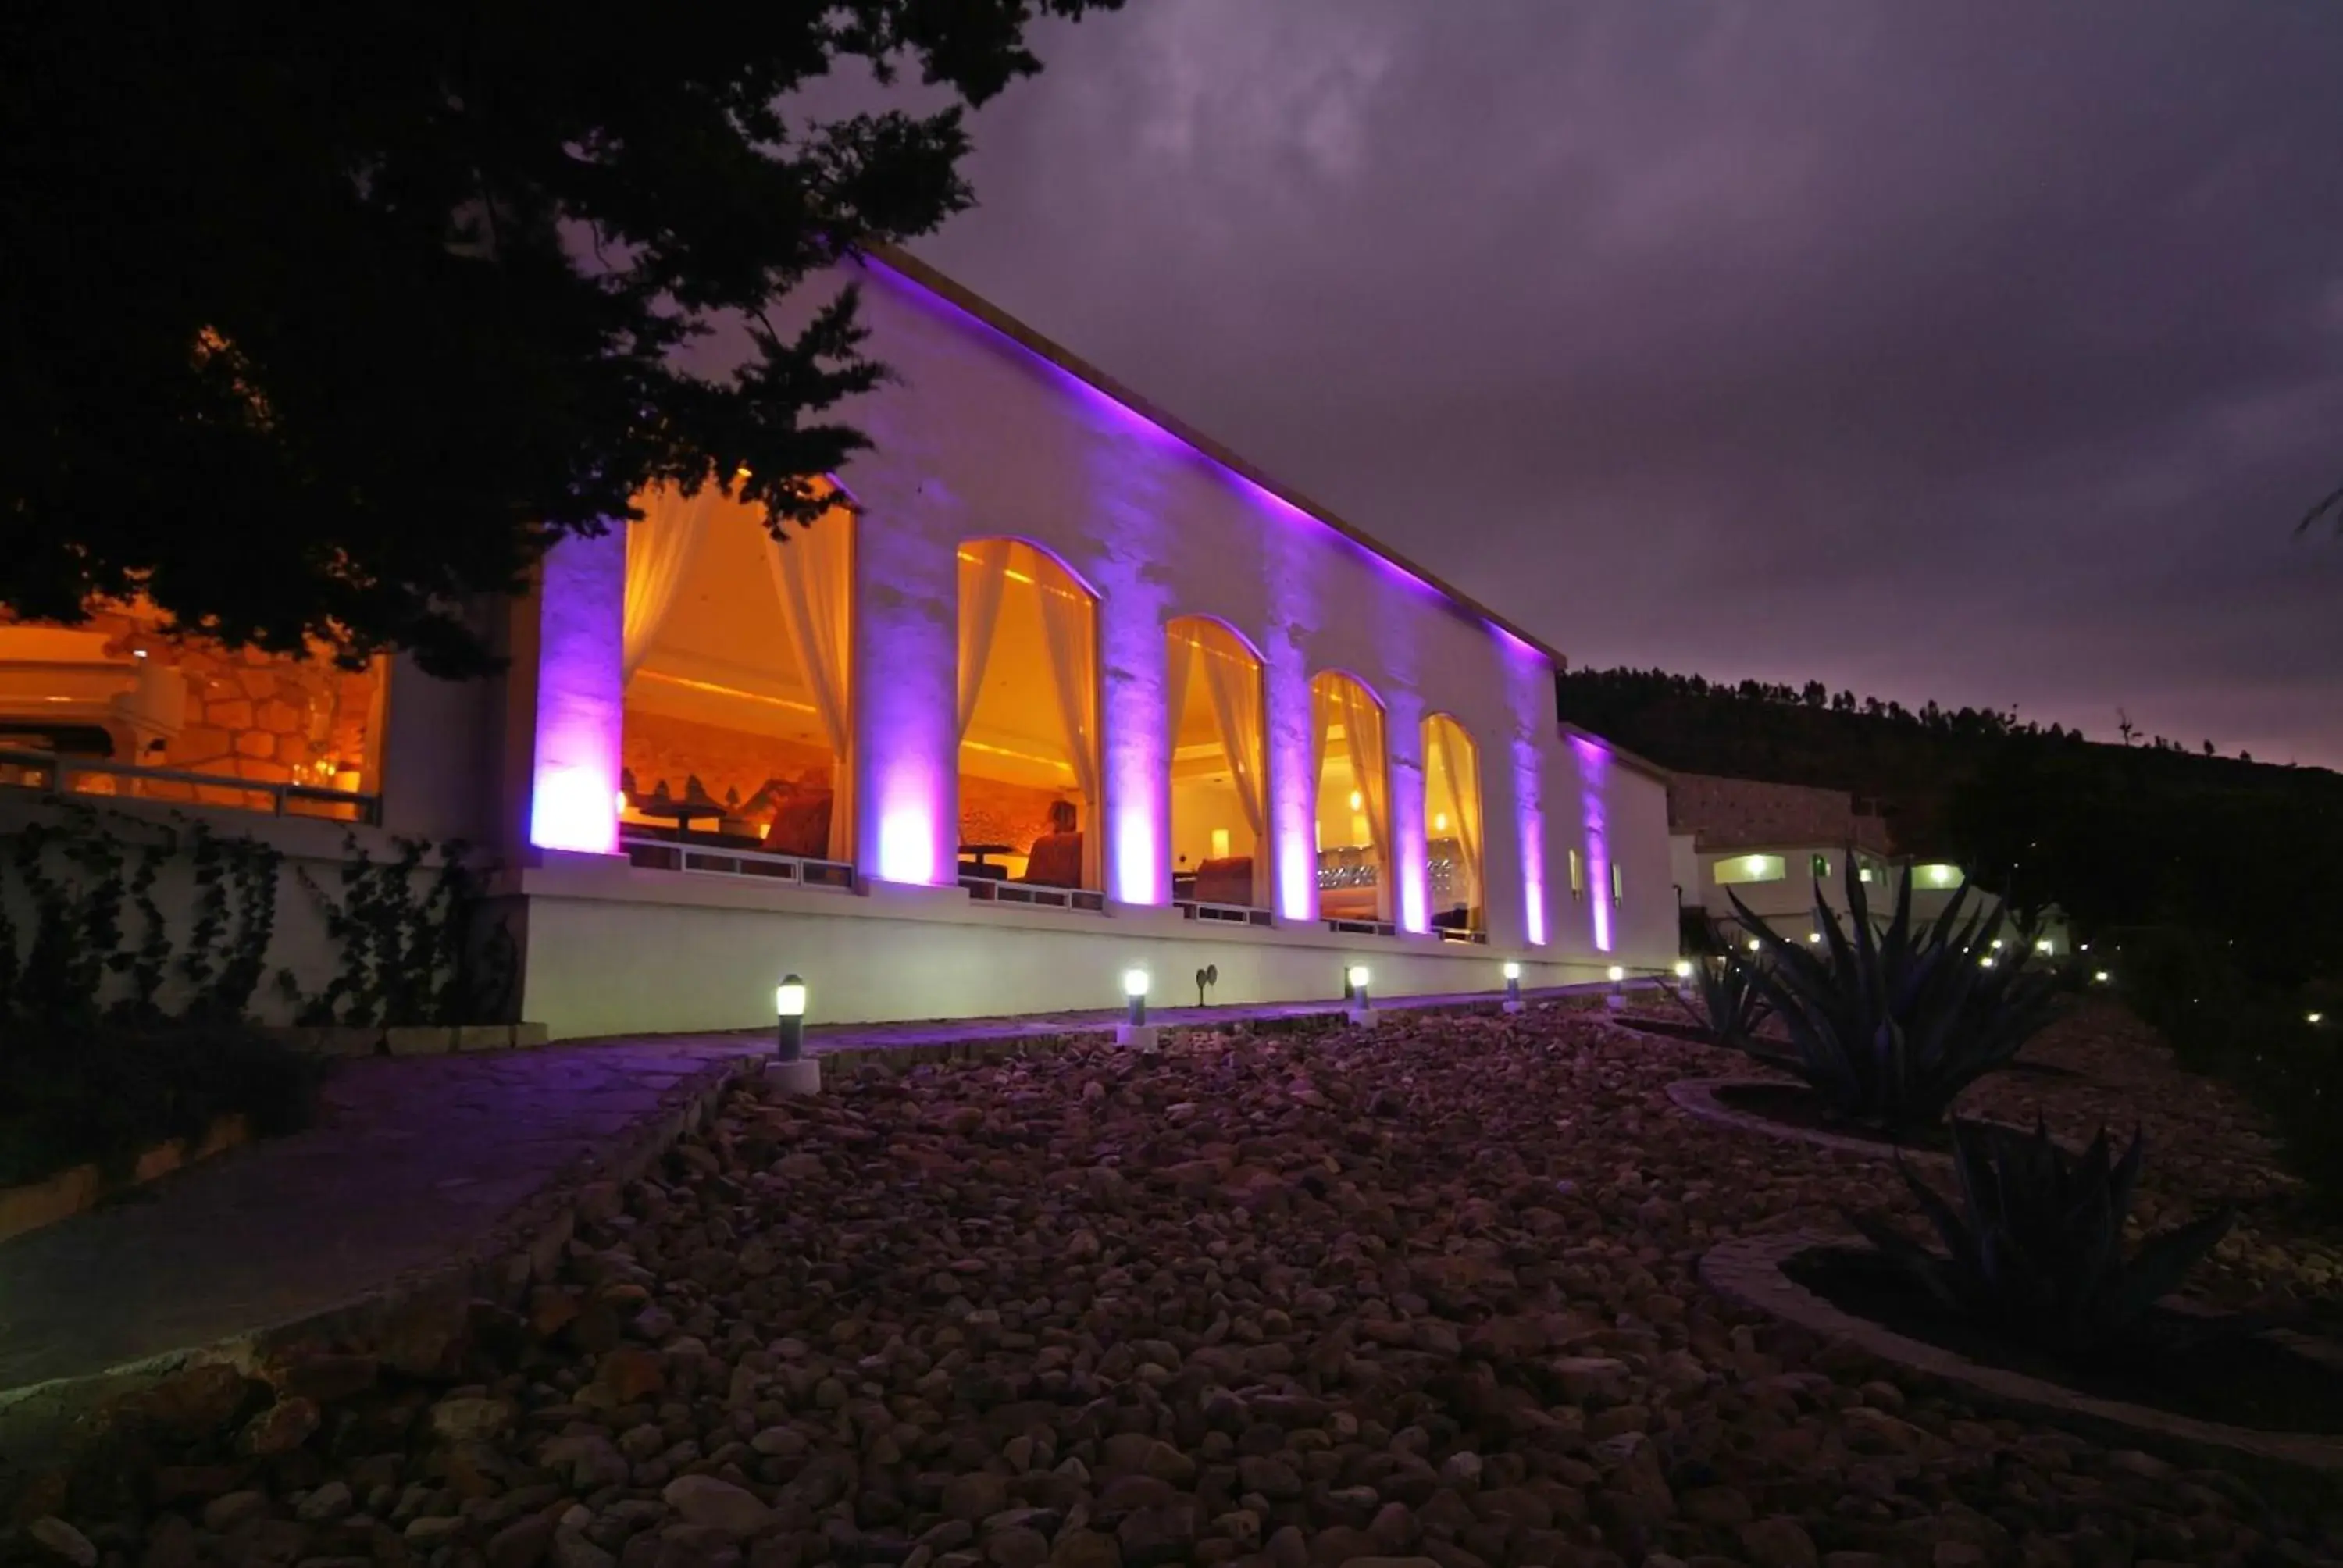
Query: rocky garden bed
[[1425, 1291]]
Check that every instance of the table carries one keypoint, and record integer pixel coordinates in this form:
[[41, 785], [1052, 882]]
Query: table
[[978, 862], [682, 813]]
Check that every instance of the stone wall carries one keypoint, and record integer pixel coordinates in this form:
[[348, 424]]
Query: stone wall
[[1747, 813]]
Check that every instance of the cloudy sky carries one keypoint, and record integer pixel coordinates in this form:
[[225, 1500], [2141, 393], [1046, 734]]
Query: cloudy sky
[[1971, 350]]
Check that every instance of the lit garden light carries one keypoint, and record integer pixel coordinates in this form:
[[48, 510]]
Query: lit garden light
[[1135, 1030], [1362, 1007], [1684, 969], [2100, 977], [790, 1070], [1512, 988], [2314, 1019], [2043, 947], [1615, 974]]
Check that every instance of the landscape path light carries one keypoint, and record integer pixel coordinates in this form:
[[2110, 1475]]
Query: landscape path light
[[1512, 987], [790, 1070], [1362, 1006], [1615, 974], [1135, 1030]]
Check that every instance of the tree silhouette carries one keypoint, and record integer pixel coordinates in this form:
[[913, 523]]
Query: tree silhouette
[[318, 320]]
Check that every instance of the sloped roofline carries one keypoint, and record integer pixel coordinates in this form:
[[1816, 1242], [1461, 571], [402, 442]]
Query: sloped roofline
[[903, 263]]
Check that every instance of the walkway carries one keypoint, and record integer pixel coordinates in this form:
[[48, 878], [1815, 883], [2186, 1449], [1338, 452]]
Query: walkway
[[418, 1162]]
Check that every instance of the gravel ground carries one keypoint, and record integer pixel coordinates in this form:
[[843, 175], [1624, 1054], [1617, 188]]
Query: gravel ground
[[1425, 1292]]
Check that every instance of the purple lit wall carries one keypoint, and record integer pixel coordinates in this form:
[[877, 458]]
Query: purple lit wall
[[1593, 776], [1403, 758], [1530, 694], [580, 696], [1127, 513], [1285, 696]]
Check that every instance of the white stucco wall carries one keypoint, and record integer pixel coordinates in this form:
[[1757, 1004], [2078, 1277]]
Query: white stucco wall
[[979, 436]]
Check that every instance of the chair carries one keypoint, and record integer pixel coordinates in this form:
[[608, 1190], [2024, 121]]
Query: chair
[[1056, 861], [800, 828], [1226, 881]]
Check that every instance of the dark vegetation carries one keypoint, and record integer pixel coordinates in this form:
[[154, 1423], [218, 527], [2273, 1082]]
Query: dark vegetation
[[2206, 885], [400, 291], [119, 1032]]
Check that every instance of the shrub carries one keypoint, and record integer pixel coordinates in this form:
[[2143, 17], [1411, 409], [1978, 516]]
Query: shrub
[[1732, 1003], [68, 1097], [1889, 1026], [2035, 1250]]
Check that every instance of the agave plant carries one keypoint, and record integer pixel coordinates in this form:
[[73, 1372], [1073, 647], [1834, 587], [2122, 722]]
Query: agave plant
[[1731, 1005], [1889, 1026], [2035, 1248]]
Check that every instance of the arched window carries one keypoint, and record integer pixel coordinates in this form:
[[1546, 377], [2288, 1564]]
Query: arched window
[[1029, 730], [1220, 765], [738, 653], [1451, 829], [1346, 738]]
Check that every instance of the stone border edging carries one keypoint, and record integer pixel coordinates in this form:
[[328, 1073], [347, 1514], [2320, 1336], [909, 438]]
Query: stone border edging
[[78, 1189], [1748, 1271], [1698, 1098]]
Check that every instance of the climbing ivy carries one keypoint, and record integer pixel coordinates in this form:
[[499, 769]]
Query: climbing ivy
[[414, 946]]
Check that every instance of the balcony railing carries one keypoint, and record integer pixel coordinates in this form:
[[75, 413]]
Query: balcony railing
[[681, 855], [55, 773], [994, 890], [1223, 914]]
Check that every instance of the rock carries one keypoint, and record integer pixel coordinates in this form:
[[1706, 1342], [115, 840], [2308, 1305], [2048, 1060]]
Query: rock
[[60, 1540], [1085, 1549], [571, 1548], [1270, 1474], [282, 1427], [1017, 1547], [433, 1531], [522, 1544], [975, 1496], [327, 1503], [631, 1374], [1717, 1505], [1584, 1378], [469, 1420], [170, 1544], [1162, 1534], [1390, 1562], [329, 1378], [222, 1515], [1779, 1542], [704, 1500]]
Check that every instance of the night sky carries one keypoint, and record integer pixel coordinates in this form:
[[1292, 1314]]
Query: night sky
[[1980, 352]]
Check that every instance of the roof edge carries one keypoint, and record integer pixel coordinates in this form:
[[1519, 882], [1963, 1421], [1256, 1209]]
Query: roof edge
[[1634, 763], [898, 260]]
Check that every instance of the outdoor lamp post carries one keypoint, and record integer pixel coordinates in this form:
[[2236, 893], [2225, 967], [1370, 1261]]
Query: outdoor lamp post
[[791, 1072], [1618, 996], [1362, 1008], [1512, 988], [1135, 1030]]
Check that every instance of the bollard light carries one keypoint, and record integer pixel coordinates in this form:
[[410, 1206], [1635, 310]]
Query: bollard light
[[1134, 990], [1513, 986], [1684, 969], [2043, 946], [2314, 1017], [2100, 977], [788, 1008], [1358, 977]]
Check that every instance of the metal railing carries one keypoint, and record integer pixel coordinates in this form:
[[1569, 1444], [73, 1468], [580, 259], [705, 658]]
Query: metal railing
[[681, 855], [27, 768], [1224, 914], [990, 890]]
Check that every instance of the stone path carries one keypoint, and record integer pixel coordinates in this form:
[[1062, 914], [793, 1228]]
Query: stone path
[[415, 1158]]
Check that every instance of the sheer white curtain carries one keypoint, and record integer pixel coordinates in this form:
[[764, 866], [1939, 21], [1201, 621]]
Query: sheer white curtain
[[1234, 686], [1181, 654], [813, 576], [1362, 733], [1066, 621], [983, 578], [1460, 767], [660, 548]]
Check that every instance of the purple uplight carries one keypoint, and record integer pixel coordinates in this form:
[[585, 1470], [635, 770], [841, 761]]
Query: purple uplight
[[580, 696], [1593, 765]]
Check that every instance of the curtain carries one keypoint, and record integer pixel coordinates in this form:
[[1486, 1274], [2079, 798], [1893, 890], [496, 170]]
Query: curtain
[[982, 581], [1074, 670], [660, 548], [1181, 654], [1460, 767], [1234, 686], [1362, 731], [813, 576]]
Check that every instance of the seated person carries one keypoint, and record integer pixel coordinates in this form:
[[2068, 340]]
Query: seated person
[[1228, 881], [800, 828], [1056, 860]]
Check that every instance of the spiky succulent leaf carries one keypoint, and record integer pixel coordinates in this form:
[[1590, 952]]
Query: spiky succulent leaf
[[2034, 1247]]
